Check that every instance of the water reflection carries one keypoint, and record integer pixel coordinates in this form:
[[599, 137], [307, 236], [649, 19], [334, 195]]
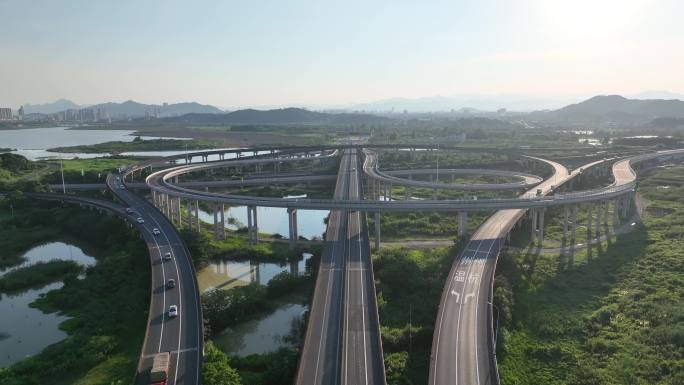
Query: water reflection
[[25, 331], [229, 274], [34, 142], [278, 329], [274, 220]]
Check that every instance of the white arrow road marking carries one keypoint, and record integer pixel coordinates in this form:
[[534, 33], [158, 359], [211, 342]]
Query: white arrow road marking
[[454, 292], [465, 299]]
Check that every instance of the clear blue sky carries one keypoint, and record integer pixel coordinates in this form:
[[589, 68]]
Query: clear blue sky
[[251, 53]]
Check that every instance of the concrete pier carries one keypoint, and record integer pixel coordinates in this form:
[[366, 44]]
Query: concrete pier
[[292, 220]]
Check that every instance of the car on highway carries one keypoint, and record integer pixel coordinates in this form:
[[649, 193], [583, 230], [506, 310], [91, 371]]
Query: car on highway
[[122, 186], [129, 210], [171, 283], [167, 256], [173, 311], [140, 220], [156, 231]]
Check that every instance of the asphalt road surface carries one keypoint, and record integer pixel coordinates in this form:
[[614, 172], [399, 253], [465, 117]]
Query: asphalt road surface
[[342, 343], [182, 335], [461, 344]]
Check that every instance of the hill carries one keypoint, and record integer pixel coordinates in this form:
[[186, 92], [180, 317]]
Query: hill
[[50, 108], [284, 116], [615, 109], [133, 109]]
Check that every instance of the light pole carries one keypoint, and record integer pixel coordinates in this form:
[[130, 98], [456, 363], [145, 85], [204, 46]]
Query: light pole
[[61, 167]]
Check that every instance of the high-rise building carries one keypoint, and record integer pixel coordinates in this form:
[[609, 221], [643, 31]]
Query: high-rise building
[[5, 114], [21, 112]]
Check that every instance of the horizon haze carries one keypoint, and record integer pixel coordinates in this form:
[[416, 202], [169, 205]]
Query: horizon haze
[[530, 55]]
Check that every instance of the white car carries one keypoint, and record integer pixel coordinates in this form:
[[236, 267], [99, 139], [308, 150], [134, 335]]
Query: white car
[[167, 256], [122, 186], [173, 311], [155, 231], [140, 220], [129, 210]]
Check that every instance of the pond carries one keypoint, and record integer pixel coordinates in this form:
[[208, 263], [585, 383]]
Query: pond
[[229, 274], [276, 330], [272, 220], [25, 331]]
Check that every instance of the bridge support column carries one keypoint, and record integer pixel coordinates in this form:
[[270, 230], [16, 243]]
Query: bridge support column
[[154, 198], [616, 213], [605, 215], [598, 218], [573, 218], [533, 225], [376, 223], [167, 206], [462, 224], [390, 192], [292, 219], [541, 227], [216, 222], [190, 215], [223, 221], [252, 227], [197, 218], [590, 218], [434, 194], [384, 194], [178, 212], [565, 222]]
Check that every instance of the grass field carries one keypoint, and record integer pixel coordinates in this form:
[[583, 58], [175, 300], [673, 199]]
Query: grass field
[[612, 317]]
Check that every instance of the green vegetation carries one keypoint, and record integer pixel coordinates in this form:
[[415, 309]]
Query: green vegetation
[[423, 225], [224, 308], [276, 368], [38, 274], [138, 144], [17, 238], [409, 286], [611, 317], [216, 369], [107, 308], [203, 248]]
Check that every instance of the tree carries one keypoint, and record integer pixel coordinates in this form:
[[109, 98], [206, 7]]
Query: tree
[[216, 370]]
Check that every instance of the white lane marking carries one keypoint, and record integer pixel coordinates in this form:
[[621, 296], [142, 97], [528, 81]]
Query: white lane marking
[[180, 298], [460, 311], [186, 350], [467, 296], [325, 305], [477, 363]]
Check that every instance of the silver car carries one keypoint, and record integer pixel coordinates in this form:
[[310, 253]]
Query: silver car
[[173, 311]]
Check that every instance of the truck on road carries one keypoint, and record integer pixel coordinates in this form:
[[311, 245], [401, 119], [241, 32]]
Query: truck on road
[[160, 369]]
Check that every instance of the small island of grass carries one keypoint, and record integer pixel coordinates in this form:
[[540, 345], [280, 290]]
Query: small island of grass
[[138, 144]]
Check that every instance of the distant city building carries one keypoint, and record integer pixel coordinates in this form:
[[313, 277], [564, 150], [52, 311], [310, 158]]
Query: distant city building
[[5, 114], [21, 112]]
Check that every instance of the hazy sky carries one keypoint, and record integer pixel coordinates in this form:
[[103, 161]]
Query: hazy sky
[[252, 52]]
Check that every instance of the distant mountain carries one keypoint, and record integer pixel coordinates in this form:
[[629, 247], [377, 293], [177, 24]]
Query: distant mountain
[[284, 116], [615, 109], [50, 108], [133, 109], [457, 102]]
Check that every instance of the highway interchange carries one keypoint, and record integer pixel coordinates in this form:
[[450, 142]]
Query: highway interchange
[[342, 343]]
